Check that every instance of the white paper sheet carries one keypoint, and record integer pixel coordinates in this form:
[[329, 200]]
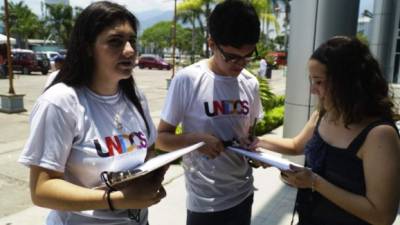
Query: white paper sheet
[[280, 163], [166, 158]]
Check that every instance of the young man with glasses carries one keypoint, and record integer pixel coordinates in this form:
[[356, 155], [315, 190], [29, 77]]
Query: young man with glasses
[[216, 100]]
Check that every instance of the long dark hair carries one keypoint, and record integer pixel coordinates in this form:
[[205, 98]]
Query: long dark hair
[[78, 67], [355, 83]]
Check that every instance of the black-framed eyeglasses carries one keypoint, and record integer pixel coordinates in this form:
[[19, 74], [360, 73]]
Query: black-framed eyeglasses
[[233, 58]]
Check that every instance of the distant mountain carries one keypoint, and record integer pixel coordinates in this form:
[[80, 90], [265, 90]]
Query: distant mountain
[[149, 18]]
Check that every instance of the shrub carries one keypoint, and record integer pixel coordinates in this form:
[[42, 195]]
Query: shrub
[[273, 107], [271, 120]]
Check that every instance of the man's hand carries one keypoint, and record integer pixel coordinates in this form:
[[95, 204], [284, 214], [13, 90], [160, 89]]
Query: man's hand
[[213, 146], [249, 143]]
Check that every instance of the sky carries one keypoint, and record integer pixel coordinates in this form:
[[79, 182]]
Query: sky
[[133, 5], [147, 5]]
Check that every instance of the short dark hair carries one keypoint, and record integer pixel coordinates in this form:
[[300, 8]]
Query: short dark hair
[[79, 65], [234, 23], [355, 82]]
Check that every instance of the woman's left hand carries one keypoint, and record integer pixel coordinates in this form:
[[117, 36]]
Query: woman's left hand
[[299, 177]]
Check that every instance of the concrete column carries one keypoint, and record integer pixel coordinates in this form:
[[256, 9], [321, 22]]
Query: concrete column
[[312, 23], [382, 38]]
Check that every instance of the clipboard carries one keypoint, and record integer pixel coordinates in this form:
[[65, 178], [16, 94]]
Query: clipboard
[[115, 179]]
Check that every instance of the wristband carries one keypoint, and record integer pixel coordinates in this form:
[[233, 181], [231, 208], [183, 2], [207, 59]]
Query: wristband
[[108, 197]]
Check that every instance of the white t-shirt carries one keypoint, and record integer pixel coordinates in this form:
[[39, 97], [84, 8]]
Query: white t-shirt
[[225, 107], [263, 68], [50, 78], [73, 131]]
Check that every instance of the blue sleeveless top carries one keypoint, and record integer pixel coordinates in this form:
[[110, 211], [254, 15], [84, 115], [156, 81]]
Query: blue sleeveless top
[[340, 167]]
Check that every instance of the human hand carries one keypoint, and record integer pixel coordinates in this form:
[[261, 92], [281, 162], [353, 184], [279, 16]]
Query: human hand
[[254, 144], [245, 142], [299, 177], [256, 164], [144, 191], [151, 153], [213, 146]]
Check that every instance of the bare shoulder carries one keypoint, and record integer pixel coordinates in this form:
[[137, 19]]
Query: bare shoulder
[[383, 132], [382, 139]]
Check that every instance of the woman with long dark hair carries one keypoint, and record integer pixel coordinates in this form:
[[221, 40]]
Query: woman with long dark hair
[[90, 118]]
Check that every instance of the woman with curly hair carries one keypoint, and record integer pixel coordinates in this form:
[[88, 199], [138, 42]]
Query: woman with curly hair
[[350, 143]]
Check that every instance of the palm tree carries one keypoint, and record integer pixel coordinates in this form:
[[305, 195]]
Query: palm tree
[[197, 12], [190, 16], [24, 24], [286, 22], [267, 14], [60, 21]]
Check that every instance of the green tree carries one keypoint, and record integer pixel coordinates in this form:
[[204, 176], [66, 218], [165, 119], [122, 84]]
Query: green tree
[[159, 36], [24, 24], [60, 21], [196, 11], [185, 42], [190, 17], [280, 41], [266, 11]]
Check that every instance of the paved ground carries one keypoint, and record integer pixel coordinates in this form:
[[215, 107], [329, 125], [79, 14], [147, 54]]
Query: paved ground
[[273, 202]]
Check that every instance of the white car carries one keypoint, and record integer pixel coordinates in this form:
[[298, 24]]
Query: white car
[[51, 55]]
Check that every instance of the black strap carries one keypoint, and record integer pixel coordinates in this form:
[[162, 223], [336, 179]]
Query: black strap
[[108, 197], [358, 141], [105, 178]]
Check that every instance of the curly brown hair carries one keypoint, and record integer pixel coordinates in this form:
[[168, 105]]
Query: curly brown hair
[[355, 83]]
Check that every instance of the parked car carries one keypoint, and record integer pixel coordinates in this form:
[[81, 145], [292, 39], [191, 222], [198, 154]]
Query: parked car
[[63, 52], [51, 55], [43, 62], [153, 61], [278, 59], [26, 61]]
